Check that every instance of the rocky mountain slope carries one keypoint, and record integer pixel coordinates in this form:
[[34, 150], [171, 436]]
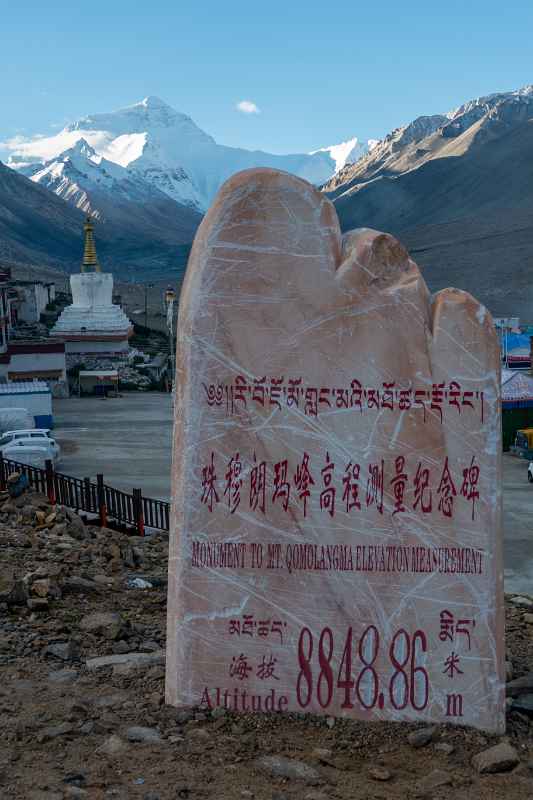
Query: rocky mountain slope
[[135, 240], [35, 226], [154, 147], [457, 189]]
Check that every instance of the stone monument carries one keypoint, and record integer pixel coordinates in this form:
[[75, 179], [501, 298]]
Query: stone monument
[[93, 324], [336, 535]]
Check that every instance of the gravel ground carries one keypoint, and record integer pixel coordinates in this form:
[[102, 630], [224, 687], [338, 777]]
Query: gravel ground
[[73, 727]]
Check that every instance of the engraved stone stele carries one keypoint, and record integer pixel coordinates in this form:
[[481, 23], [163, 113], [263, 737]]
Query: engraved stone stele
[[336, 535]]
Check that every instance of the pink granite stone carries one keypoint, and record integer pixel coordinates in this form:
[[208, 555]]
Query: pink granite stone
[[336, 534]]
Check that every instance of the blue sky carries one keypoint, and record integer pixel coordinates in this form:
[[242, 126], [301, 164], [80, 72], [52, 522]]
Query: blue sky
[[318, 72]]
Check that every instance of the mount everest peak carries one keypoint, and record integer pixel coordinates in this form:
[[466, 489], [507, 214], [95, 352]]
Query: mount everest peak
[[151, 144]]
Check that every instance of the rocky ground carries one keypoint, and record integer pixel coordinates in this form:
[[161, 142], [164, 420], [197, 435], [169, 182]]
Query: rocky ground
[[82, 711]]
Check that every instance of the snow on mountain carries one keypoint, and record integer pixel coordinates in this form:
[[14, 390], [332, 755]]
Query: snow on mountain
[[76, 173], [164, 148], [429, 137], [482, 104], [346, 152], [466, 115]]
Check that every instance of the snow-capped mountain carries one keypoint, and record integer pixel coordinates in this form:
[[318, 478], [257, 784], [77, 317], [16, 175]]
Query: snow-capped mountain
[[89, 181], [159, 147], [75, 173]]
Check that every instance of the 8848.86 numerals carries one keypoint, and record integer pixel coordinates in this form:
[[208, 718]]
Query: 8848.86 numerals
[[357, 679]]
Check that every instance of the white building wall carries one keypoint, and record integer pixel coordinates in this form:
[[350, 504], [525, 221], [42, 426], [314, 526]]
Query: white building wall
[[38, 362], [36, 297], [32, 398], [97, 348], [27, 311], [41, 297]]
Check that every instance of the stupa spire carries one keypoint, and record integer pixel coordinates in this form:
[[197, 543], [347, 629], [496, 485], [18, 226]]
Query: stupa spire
[[90, 259]]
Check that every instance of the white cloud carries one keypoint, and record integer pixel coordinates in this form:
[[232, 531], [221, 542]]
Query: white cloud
[[14, 142], [247, 107], [18, 141]]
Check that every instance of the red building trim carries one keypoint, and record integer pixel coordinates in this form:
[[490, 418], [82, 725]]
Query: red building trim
[[16, 348], [94, 337]]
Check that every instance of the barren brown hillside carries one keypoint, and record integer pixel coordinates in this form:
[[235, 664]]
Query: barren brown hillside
[[460, 197]]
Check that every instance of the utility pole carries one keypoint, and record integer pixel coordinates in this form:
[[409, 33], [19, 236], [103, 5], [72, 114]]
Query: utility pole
[[170, 299], [146, 287]]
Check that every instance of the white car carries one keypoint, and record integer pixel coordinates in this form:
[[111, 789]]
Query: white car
[[530, 472], [38, 437], [25, 454]]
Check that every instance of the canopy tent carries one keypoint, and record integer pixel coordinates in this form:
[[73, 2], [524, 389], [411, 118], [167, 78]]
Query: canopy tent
[[516, 349], [98, 381]]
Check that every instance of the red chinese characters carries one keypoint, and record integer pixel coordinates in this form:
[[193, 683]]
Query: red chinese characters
[[258, 486], [399, 482], [470, 480], [209, 491], [327, 496], [423, 493], [446, 491], [303, 480], [350, 482], [233, 483], [282, 487], [241, 668], [374, 486], [391, 487]]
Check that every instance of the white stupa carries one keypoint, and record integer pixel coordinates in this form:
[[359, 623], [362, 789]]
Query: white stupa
[[92, 325]]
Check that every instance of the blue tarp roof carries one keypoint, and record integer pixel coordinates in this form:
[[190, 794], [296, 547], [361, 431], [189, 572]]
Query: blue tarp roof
[[517, 340]]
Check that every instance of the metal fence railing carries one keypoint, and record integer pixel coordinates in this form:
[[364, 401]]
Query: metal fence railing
[[81, 494]]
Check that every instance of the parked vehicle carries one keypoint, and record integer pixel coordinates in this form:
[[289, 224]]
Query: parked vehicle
[[27, 453], [38, 437], [524, 439]]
